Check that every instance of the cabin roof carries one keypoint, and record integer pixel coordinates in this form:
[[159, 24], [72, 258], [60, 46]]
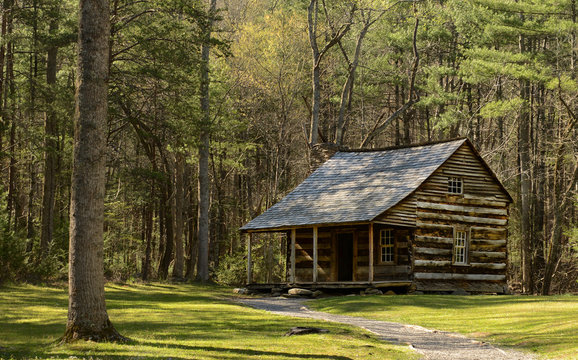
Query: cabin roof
[[356, 186]]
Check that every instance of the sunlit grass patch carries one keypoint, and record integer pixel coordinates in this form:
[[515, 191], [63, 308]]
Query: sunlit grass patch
[[546, 325], [178, 322]]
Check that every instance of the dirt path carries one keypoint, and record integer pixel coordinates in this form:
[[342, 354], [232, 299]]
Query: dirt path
[[432, 344]]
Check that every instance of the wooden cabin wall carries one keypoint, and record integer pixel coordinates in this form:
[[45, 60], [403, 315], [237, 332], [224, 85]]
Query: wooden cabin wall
[[401, 268], [482, 210], [402, 214], [361, 258], [304, 254]]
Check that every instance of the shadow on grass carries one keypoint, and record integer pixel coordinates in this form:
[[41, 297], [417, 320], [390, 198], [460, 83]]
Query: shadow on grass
[[219, 353], [246, 353]]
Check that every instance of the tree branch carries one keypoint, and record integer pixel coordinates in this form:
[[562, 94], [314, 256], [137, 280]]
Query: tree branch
[[412, 98]]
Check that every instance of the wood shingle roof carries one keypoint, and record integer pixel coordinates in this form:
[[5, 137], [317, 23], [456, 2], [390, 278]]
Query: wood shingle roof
[[355, 186]]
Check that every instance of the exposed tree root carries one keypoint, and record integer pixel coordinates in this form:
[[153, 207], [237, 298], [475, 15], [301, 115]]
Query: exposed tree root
[[107, 334]]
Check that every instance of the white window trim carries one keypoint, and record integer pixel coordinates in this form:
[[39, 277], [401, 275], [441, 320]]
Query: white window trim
[[466, 247], [390, 246], [452, 184]]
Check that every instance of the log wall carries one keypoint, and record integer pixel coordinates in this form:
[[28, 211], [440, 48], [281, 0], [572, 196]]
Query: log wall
[[401, 267], [304, 255], [402, 214], [481, 211]]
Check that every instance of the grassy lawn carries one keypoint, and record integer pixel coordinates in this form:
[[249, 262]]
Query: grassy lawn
[[176, 322], [547, 326]]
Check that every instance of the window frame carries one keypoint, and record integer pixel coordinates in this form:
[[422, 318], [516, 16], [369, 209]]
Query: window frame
[[465, 248], [383, 247], [455, 183]]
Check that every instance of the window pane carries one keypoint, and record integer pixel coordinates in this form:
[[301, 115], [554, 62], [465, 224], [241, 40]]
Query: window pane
[[387, 245], [454, 185], [460, 247]]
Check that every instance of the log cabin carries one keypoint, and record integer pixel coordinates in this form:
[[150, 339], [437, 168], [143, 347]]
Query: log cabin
[[427, 217]]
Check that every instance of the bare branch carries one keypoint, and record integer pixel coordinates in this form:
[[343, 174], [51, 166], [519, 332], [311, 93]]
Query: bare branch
[[412, 98]]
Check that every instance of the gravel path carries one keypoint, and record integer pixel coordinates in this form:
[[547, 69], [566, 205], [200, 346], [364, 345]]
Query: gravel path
[[432, 344]]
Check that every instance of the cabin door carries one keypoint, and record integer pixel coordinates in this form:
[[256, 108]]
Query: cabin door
[[345, 257]]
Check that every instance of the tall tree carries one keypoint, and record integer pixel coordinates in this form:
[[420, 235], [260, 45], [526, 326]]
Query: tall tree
[[336, 33], [50, 140], [87, 316], [204, 143]]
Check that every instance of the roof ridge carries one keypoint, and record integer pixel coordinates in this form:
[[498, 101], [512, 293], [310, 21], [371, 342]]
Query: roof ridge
[[397, 147]]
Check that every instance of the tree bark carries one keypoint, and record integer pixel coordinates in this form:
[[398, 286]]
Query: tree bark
[[192, 247], [204, 184], [178, 269], [147, 235], [525, 185], [8, 110], [50, 148], [166, 252], [87, 315], [6, 26], [312, 13]]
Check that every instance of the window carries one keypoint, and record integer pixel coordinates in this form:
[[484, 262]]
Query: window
[[387, 243], [460, 247], [455, 185]]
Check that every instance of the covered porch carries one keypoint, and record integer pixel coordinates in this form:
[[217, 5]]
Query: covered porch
[[342, 256]]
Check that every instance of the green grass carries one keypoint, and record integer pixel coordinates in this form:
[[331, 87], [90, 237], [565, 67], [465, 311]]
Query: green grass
[[176, 322], [547, 326]]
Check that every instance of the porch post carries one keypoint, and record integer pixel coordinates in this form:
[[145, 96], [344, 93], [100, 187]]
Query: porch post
[[315, 254], [292, 270], [370, 253], [249, 262]]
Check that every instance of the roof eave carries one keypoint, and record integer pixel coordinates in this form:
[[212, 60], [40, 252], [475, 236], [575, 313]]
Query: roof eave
[[303, 226]]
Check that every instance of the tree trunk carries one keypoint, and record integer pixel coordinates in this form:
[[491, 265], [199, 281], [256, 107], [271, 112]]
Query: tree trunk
[[167, 251], [8, 117], [50, 148], [525, 184], [178, 269], [192, 247], [204, 184], [316, 95], [87, 316], [148, 239], [347, 92]]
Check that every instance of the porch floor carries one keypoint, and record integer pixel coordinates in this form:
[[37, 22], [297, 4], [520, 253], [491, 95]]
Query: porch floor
[[331, 285]]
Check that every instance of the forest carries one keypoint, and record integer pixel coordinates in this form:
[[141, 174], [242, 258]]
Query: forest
[[215, 109]]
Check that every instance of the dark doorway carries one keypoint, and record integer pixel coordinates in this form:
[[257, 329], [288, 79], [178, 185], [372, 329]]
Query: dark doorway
[[345, 257]]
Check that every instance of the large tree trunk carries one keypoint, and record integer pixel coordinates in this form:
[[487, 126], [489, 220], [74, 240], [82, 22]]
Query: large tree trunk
[[87, 316]]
